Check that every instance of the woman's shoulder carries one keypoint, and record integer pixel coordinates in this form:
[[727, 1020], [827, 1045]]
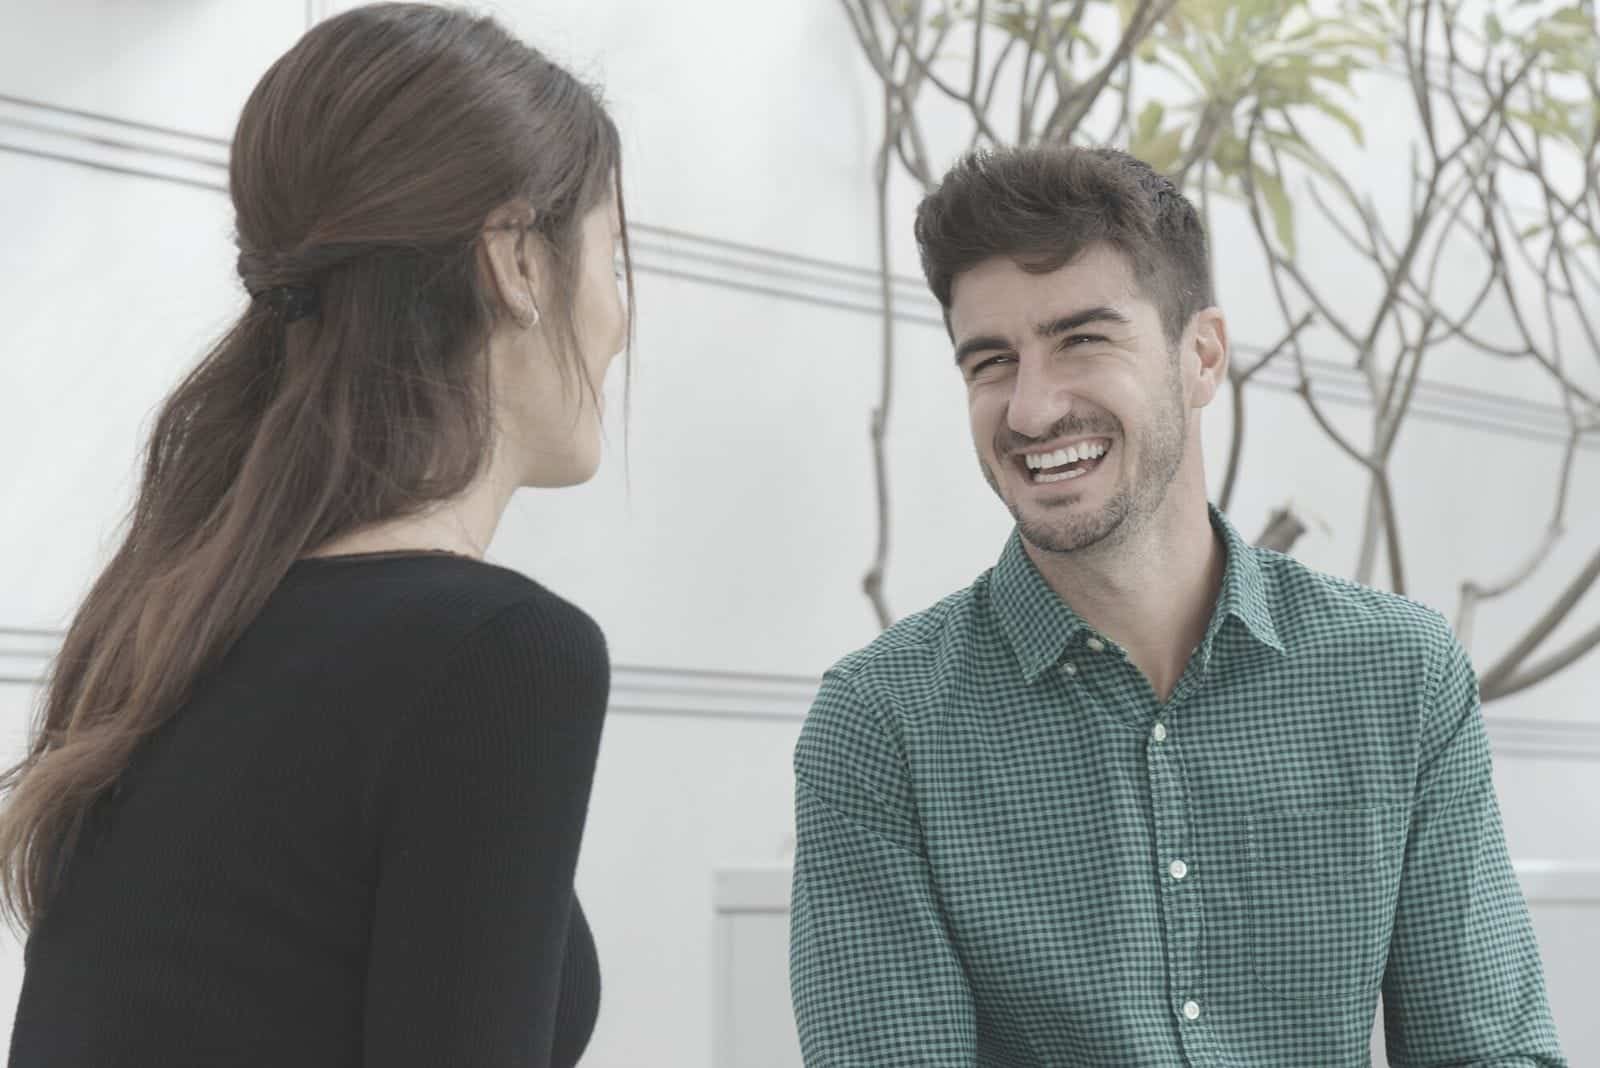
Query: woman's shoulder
[[428, 613]]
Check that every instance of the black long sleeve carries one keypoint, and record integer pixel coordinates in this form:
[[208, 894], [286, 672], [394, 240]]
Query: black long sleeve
[[480, 808], [353, 846]]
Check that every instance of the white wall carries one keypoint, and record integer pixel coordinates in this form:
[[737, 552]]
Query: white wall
[[731, 554]]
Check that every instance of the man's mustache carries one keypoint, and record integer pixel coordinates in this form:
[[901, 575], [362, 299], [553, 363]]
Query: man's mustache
[[1008, 442]]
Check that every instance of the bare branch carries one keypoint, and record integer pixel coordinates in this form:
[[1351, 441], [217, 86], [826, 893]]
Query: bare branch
[[1366, 248], [922, 65], [1393, 415], [1537, 672], [1235, 442], [1474, 593], [1375, 466], [1380, 479], [1283, 529], [872, 582], [1205, 140], [1508, 664], [1237, 380], [1290, 337], [1073, 106], [978, 20], [1029, 99], [994, 74]]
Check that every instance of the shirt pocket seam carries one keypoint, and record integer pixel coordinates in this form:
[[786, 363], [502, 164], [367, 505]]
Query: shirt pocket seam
[[1285, 870]]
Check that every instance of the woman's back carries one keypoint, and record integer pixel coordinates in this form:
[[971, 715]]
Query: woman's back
[[353, 844]]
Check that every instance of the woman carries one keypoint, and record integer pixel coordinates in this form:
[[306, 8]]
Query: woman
[[311, 775]]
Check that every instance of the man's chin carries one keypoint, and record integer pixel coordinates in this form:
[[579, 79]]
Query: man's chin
[[1066, 526]]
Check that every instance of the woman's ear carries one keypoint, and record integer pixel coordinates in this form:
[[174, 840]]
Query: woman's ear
[[506, 260]]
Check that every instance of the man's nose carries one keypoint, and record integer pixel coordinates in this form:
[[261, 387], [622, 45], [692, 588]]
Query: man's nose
[[1038, 400]]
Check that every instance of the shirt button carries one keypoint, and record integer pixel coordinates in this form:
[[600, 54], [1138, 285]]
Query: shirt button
[[1070, 668], [1096, 645], [1179, 869], [1191, 1010], [1160, 732]]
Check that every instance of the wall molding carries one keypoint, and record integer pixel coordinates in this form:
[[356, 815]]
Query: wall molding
[[637, 690], [45, 131], [25, 654], [702, 694], [120, 146]]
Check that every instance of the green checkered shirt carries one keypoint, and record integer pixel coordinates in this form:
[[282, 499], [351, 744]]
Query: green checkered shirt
[[1011, 854]]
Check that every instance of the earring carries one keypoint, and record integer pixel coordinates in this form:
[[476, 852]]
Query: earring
[[533, 320]]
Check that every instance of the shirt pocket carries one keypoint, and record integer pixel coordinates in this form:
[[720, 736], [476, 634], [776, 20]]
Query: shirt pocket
[[1323, 886]]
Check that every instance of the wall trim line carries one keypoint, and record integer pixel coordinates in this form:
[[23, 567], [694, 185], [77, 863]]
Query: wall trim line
[[694, 693], [45, 131]]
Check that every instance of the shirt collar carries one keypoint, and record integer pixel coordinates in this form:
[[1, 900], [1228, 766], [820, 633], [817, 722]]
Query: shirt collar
[[1040, 625], [1245, 594]]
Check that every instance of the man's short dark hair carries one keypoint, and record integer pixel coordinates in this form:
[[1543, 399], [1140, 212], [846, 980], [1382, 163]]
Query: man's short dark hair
[[1042, 206]]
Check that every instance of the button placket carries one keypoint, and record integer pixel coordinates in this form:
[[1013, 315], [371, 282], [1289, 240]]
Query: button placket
[[1179, 894]]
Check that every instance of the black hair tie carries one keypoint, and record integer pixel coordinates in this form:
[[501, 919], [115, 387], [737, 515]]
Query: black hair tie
[[291, 301]]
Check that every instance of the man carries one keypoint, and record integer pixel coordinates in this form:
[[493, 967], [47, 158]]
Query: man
[[1142, 795]]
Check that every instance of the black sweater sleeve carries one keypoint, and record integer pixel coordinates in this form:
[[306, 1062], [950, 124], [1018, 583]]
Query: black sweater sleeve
[[479, 807]]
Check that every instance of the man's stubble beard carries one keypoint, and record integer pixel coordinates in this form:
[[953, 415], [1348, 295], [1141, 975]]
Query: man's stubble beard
[[1129, 506]]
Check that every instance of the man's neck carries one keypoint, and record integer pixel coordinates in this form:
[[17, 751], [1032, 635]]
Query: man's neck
[[1152, 593]]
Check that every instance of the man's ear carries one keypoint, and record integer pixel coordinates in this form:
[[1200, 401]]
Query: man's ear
[[1208, 355], [507, 258]]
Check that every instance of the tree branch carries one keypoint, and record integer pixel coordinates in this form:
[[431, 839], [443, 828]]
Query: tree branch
[[1537, 672], [1073, 106], [1508, 664], [1237, 380]]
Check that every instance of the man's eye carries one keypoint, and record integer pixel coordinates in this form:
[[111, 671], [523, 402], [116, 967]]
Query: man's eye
[[988, 363]]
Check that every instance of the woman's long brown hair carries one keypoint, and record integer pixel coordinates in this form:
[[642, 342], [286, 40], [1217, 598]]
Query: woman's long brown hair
[[365, 164]]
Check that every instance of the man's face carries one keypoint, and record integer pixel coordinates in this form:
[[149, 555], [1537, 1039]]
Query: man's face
[[1079, 408]]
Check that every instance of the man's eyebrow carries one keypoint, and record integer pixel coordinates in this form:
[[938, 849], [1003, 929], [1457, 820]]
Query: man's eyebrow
[[979, 344], [1067, 323], [1063, 324]]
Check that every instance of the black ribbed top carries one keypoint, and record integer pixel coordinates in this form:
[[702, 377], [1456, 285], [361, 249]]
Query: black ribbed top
[[354, 844]]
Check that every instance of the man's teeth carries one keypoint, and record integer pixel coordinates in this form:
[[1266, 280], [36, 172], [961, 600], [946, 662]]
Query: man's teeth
[[1088, 450]]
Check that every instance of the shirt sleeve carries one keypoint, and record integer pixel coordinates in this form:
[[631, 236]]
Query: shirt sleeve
[[479, 807], [1464, 985], [875, 978]]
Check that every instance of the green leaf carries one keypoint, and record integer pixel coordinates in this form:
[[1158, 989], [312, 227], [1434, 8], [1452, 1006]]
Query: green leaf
[[1228, 153], [1493, 30], [1339, 114], [1271, 187], [1532, 230], [1290, 145], [1536, 121], [1149, 121], [1574, 17], [1160, 151], [1337, 72]]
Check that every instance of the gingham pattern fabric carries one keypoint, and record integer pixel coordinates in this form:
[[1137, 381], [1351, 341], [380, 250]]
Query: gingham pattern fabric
[[1010, 854]]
